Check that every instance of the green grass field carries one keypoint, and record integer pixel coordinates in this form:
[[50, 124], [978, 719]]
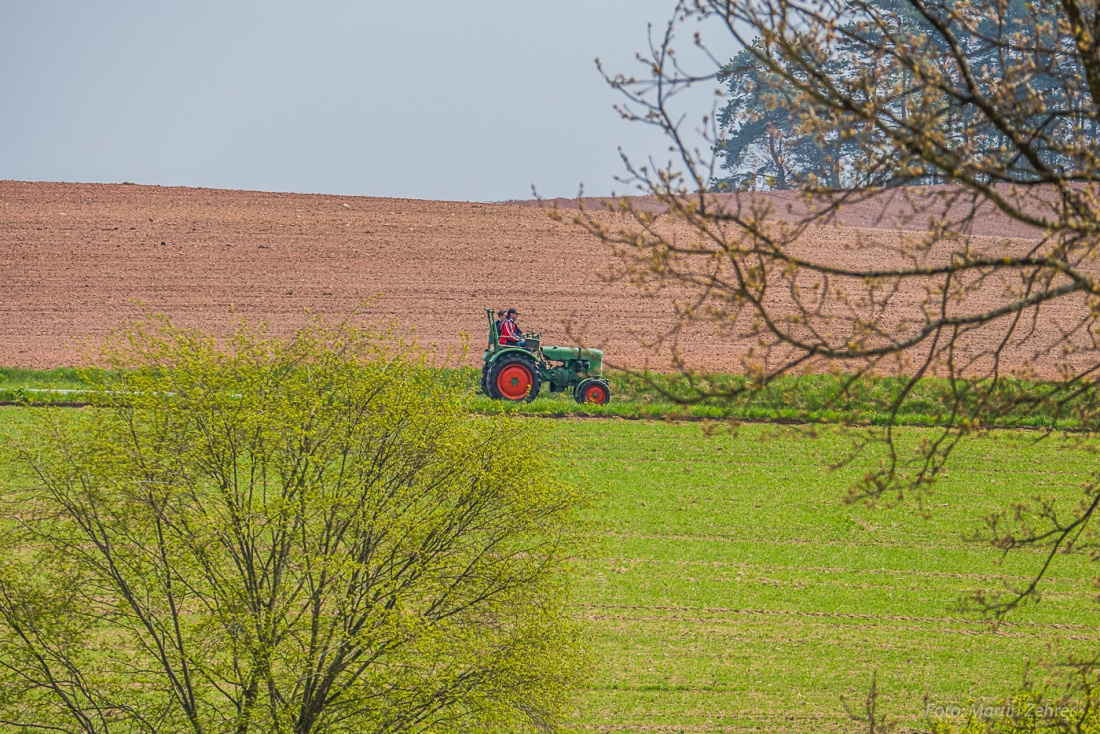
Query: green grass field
[[730, 589]]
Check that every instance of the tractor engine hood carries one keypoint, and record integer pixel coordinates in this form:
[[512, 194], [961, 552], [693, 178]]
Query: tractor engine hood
[[563, 354]]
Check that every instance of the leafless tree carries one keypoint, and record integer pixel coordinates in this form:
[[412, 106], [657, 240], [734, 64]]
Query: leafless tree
[[987, 283]]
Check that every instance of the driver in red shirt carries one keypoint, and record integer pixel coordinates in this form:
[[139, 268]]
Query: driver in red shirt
[[510, 335]]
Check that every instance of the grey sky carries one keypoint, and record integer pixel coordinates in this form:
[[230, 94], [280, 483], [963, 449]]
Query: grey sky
[[437, 99]]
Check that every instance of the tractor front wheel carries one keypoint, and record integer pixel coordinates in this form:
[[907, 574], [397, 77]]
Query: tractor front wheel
[[514, 377], [595, 392]]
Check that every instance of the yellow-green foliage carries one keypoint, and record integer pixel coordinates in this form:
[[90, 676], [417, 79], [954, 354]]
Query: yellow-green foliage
[[307, 534], [1026, 712]]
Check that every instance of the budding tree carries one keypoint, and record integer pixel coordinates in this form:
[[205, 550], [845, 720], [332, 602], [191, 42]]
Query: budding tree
[[298, 535]]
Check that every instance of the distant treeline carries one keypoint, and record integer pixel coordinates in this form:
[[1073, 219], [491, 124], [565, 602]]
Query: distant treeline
[[771, 136]]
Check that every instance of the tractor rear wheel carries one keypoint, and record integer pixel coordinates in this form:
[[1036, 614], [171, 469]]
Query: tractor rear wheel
[[514, 377], [592, 391], [486, 386]]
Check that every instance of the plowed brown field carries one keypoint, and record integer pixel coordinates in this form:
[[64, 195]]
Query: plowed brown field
[[76, 260]]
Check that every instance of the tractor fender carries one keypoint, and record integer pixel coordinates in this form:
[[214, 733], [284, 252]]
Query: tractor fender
[[491, 357]]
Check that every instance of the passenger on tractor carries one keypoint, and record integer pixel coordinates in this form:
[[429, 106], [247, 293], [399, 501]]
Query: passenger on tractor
[[510, 335]]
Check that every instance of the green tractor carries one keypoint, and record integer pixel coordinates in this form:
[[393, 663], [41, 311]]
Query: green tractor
[[519, 372]]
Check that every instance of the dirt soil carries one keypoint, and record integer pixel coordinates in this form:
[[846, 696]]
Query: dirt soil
[[77, 260]]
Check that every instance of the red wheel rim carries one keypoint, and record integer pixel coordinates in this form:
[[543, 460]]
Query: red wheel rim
[[594, 394], [514, 382]]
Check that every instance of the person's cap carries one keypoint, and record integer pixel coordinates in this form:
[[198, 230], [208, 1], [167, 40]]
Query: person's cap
[[513, 311]]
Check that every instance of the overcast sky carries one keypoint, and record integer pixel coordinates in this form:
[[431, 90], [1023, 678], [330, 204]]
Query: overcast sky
[[436, 99]]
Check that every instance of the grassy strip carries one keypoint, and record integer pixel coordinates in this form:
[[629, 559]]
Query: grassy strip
[[802, 398], [12, 378], [60, 377], [43, 387], [822, 399]]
